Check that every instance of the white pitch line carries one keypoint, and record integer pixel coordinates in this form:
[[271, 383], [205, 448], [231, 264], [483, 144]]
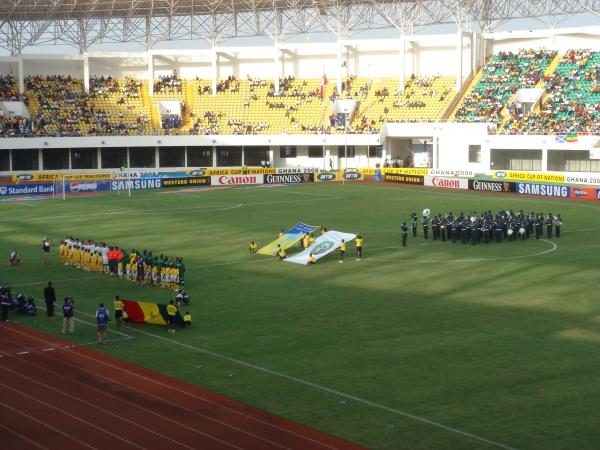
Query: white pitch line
[[108, 340], [66, 280], [322, 388], [141, 212], [85, 322]]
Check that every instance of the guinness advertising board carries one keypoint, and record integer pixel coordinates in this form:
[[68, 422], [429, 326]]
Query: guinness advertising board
[[289, 178], [492, 186], [404, 179]]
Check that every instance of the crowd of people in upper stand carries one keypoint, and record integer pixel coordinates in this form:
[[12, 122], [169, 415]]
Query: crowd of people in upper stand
[[60, 107], [169, 84], [64, 109], [502, 76], [573, 99]]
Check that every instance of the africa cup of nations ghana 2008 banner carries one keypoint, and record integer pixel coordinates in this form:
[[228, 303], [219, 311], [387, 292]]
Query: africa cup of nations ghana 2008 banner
[[288, 238], [143, 312]]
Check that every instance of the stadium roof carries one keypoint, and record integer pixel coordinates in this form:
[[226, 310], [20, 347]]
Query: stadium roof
[[81, 23]]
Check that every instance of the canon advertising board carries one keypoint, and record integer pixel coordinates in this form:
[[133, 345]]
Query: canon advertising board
[[236, 180]]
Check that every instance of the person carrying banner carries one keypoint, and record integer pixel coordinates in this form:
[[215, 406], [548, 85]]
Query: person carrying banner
[[118, 305], [280, 253], [187, 319], [359, 245], [312, 261], [171, 314], [253, 247], [342, 250]]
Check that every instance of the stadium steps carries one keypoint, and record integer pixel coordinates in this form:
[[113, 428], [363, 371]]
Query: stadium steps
[[553, 65], [505, 114], [465, 91], [148, 107], [189, 88]]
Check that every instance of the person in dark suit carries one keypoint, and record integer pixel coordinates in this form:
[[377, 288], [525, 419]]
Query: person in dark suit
[[50, 299]]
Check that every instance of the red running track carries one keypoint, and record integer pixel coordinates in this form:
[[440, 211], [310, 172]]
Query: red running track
[[57, 395]]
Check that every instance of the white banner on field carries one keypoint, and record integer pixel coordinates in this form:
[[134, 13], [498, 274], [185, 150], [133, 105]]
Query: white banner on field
[[324, 245]]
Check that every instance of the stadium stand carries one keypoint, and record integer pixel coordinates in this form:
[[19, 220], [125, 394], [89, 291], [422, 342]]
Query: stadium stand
[[501, 77], [424, 99], [59, 106], [572, 100]]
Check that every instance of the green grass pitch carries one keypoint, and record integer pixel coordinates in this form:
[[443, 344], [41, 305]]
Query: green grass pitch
[[432, 346]]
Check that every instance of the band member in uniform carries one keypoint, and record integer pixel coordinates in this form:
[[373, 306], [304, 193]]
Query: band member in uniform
[[435, 228], [549, 224], [425, 227], [404, 231], [413, 217], [453, 231], [557, 224], [538, 226], [498, 231]]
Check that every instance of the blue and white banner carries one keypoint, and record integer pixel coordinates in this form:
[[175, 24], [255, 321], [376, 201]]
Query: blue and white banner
[[81, 187], [543, 190], [26, 189], [288, 238], [144, 183], [323, 245]]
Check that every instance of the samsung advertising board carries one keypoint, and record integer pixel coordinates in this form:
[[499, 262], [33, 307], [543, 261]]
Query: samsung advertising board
[[544, 190], [145, 183]]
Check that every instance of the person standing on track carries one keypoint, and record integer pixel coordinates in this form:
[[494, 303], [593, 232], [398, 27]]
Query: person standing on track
[[68, 316], [50, 299], [4, 304], [102, 317]]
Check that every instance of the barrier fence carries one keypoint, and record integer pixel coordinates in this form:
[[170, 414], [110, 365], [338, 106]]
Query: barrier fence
[[575, 186]]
